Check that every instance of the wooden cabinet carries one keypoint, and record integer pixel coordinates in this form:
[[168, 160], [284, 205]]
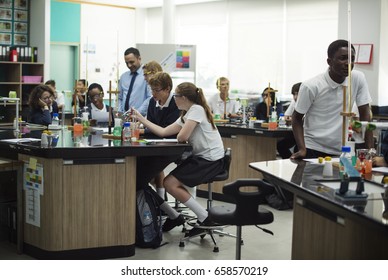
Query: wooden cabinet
[[245, 149], [11, 80]]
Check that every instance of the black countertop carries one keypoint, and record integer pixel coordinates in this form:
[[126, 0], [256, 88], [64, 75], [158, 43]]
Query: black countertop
[[228, 129], [87, 145], [305, 180]]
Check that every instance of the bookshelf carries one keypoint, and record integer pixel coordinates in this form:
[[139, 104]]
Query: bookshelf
[[11, 80]]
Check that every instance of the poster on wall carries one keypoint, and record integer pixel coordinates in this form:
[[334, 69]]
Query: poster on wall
[[5, 39], [14, 20], [20, 27], [6, 3], [21, 4], [33, 187], [180, 59], [20, 15], [5, 14], [5, 26], [20, 40]]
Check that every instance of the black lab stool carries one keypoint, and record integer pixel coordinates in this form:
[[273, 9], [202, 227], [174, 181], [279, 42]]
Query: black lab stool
[[246, 210]]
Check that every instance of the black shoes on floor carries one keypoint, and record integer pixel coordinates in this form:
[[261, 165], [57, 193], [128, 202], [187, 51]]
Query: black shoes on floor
[[202, 228], [169, 224]]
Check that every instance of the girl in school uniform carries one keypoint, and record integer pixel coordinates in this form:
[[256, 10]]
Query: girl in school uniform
[[195, 126], [42, 105]]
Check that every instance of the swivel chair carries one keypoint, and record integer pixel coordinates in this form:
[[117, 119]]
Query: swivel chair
[[224, 175], [247, 209]]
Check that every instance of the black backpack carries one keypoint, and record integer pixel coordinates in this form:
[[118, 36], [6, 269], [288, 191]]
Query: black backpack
[[148, 219]]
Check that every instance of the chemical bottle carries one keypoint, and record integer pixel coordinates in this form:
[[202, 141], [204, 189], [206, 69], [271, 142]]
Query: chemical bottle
[[273, 121], [127, 132], [327, 168], [117, 128], [347, 155], [55, 119], [85, 119], [282, 121]]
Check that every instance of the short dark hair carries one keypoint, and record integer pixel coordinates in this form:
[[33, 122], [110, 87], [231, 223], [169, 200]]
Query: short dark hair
[[50, 82], [335, 46], [295, 88], [95, 85], [132, 50]]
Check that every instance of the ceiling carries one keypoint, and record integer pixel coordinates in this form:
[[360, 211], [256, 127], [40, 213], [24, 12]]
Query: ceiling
[[142, 3]]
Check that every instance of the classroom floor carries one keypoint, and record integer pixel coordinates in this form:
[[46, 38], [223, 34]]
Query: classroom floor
[[258, 245]]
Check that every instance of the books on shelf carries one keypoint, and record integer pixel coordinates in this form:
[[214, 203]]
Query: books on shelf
[[21, 54]]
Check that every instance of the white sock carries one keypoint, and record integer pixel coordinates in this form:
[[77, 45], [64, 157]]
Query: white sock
[[161, 192], [171, 212], [197, 209]]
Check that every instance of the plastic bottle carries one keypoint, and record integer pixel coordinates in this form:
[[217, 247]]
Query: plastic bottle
[[85, 119], [55, 119], [282, 121], [345, 154], [273, 121], [148, 230], [117, 129], [127, 132]]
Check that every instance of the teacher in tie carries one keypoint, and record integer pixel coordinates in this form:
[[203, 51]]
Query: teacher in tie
[[133, 90]]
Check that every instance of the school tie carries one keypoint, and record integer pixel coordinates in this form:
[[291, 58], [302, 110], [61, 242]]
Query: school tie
[[134, 74]]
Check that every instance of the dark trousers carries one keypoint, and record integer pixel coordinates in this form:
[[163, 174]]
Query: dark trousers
[[148, 167], [316, 154], [284, 145]]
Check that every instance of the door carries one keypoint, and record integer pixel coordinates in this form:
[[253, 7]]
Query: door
[[64, 69]]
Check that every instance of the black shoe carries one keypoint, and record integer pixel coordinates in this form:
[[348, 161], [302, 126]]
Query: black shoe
[[170, 224], [208, 223], [195, 231]]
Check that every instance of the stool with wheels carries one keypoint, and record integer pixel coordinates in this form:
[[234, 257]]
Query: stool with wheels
[[246, 210], [224, 175]]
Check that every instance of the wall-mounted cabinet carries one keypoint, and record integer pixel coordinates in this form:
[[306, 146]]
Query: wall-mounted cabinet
[[11, 74]]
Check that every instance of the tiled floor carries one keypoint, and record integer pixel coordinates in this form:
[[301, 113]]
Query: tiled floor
[[258, 245]]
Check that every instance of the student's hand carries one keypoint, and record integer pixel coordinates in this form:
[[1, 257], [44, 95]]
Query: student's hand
[[136, 115], [299, 154], [379, 161], [42, 103]]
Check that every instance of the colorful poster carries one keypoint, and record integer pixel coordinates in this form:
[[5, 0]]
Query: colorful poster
[[33, 188], [182, 59]]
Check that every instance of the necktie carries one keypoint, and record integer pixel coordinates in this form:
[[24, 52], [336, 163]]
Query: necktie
[[126, 107]]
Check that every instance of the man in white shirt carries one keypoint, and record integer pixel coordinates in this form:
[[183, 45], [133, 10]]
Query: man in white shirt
[[319, 134], [221, 104]]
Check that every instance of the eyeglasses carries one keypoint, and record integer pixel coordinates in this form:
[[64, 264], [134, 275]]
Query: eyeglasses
[[96, 96], [149, 73], [177, 95], [157, 90]]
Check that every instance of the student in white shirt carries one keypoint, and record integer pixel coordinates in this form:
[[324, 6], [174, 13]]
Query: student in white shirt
[[317, 121], [195, 126], [221, 104]]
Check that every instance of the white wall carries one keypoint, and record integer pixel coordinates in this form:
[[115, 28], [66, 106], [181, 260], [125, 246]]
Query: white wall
[[253, 42], [40, 32], [365, 29], [383, 55], [109, 32]]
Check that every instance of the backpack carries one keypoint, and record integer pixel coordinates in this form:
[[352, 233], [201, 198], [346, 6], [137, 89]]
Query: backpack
[[148, 220]]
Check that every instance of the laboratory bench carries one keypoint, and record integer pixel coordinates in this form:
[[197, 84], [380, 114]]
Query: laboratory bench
[[84, 205], [248, 144], [327, 225]]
